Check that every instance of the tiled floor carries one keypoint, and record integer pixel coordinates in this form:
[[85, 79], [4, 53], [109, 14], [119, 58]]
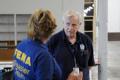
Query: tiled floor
[[113, 62]]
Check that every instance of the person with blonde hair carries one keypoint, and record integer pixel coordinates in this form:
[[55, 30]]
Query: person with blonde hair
[[32, 60]]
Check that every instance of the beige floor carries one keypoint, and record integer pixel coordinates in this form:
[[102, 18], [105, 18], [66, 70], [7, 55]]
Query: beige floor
[[113, 62]]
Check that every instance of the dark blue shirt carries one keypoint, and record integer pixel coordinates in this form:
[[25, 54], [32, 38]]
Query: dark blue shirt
[[66, 53], [34, 62]]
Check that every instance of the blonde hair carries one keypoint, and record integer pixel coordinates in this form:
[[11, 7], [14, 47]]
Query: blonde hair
[[41, 24]]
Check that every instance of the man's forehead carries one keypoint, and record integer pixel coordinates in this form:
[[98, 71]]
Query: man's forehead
[[72, 18]]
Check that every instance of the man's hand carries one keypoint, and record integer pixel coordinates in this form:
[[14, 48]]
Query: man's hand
[[74, 76]]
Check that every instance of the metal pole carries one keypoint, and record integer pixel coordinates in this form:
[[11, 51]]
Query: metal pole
[[15, 30], [102, 16]]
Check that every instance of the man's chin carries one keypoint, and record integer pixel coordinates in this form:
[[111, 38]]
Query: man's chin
[[71, 36]]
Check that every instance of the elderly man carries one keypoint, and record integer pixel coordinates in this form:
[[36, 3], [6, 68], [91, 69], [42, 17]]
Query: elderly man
[[72, 49]]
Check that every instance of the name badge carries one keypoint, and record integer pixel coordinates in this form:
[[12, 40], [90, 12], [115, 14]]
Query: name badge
[[82, 47], [76, 70]]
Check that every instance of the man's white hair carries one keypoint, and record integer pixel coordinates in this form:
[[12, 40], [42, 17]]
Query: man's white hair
[[71, 13]]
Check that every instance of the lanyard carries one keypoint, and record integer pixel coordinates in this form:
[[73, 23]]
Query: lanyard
[[75, 62]]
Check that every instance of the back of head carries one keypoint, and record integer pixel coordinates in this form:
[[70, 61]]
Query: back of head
[[41, 24]]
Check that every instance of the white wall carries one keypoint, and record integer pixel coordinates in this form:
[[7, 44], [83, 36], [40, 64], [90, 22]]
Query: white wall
[[113, 15], [28, 6]]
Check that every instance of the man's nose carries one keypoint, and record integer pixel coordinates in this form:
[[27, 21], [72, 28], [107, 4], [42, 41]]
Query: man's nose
[[70, 27]]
